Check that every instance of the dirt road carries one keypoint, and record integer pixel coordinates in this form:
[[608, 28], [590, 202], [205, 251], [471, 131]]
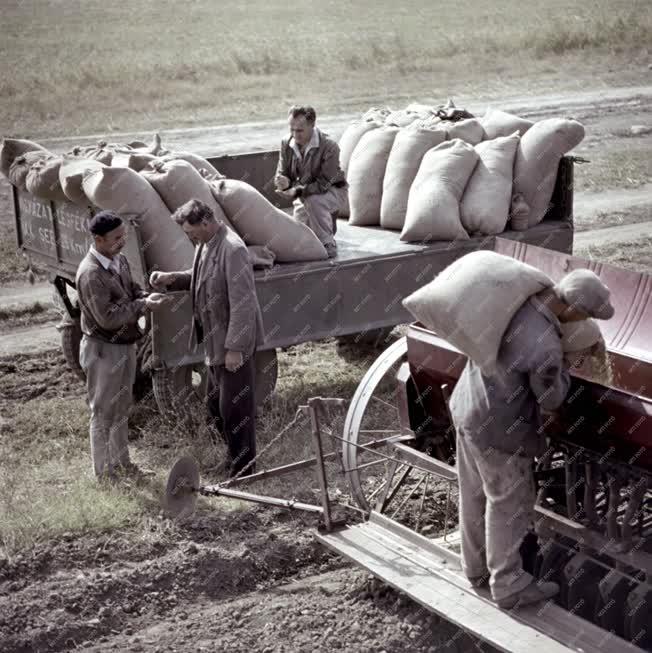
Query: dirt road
[[603, 111]]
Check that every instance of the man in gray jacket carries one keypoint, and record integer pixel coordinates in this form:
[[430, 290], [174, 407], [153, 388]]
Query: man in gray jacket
[[111, 304], [309, 173], [227, 319], [499, 432]]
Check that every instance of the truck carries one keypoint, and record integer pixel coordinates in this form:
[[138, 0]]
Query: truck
[[356, 295]]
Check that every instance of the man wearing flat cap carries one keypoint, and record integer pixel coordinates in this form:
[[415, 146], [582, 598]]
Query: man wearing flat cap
[[499, 432], [111, 304]]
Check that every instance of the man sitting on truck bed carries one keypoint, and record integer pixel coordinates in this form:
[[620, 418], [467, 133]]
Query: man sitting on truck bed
[[309, 173], [227, 319], [111, 304], [499, 431]]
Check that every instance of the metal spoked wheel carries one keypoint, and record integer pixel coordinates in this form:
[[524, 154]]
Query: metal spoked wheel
[[372, 416], [379, 475]]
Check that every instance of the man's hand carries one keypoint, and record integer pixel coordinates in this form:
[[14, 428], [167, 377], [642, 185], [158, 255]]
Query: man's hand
[[156, 301], [282, 182], [161, 280], [289, 194], [233, 360]]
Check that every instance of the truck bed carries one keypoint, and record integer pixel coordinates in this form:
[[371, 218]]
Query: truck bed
[[358, 291]]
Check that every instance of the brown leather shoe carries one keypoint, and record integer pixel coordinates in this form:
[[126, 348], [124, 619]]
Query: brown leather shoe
[[535, 592]]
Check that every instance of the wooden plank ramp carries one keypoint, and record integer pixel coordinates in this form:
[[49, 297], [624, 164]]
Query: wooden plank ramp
[[431, 575]]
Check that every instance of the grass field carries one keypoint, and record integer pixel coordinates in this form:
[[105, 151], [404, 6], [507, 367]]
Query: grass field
[[78, 67], [46, 484]]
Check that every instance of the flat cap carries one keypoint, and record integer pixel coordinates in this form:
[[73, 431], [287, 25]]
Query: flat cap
[[583, 290]]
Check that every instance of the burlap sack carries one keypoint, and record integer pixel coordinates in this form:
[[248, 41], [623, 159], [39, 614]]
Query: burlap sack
[[432, 122], [537, 160], [469, 130], [498, 123], [402, 166], [199, 163], [261, 256], [433, 209], [580, 335], [473, 300], [401, 118], [424, 110], [80, 151], [376, 114], [43, 180], [178, 182], [71, 176], [366, 174], [351, 137], [165, 246], [102, 152], [13, 148], [134, 160], [484, 208], [155, 147], [258, 222], [21, 166]]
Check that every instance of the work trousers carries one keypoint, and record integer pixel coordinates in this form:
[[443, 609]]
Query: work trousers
[[318, 212], [231, 402], [496, 508], [110, 373]]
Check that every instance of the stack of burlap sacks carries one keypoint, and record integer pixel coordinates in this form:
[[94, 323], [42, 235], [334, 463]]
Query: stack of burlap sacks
[[148, 183], [445, 179]]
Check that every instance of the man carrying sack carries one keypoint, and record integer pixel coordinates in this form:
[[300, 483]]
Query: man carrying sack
[[498, 422], [309, 173], [227, 319], [111, 304]]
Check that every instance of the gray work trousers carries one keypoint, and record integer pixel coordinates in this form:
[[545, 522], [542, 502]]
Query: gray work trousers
[[318, 211], [496, 508], [110, 373]]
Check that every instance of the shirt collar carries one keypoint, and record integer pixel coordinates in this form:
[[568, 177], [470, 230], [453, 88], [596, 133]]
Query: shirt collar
[[313, 142], [106, 263], [216, 237]]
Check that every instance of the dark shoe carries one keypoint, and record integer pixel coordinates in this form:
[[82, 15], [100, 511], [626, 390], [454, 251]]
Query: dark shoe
[[535, 592], [479, 581]]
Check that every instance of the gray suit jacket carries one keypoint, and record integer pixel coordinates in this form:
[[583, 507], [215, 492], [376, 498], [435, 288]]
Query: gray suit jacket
[[226, 314]]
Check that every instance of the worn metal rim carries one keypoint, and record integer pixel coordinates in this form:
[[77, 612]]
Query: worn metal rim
[[357, 410], [182, 487]]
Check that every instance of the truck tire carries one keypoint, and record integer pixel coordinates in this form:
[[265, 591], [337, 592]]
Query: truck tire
[[71, 336], [174, 388], [266, 375]]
